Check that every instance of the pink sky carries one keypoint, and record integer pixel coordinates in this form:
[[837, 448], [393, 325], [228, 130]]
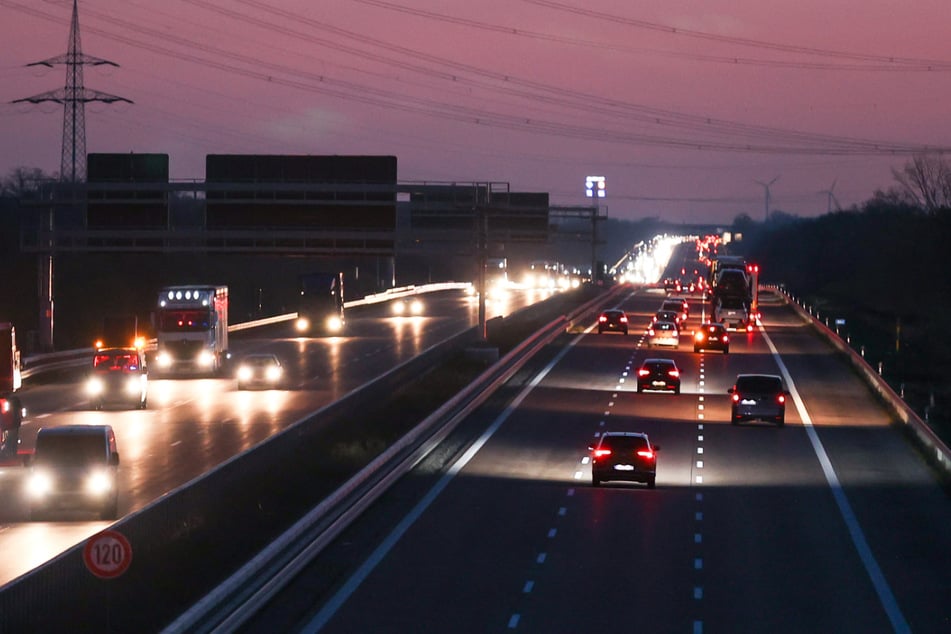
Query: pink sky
[[514, 91]]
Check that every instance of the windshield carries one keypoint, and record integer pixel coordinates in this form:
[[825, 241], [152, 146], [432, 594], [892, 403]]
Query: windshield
[[73, 450], [116, 361]]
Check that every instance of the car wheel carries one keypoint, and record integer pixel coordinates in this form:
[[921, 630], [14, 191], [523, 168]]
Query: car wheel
[[677, 390], [726, 351], [639, 389], [600, 331], [696, 349], [733, 419], [651, 483], [596, 482], [625, 332], [781, 420]]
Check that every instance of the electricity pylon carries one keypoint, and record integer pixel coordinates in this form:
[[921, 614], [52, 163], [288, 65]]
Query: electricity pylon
[[74, 98]]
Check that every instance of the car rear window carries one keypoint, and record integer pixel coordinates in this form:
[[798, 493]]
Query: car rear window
[[624, 443], [116, 362], [759, 384], [665, 326], [70, 450]]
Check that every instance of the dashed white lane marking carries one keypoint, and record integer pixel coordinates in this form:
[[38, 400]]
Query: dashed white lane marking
[[562, 511], [700, 449], [528, 587], [552, 532], [541, 558], [513, 622], [698, 563], [697, 538], [698, 593]]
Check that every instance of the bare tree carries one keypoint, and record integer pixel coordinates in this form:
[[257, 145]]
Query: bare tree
[[926, 182], [22, 180]]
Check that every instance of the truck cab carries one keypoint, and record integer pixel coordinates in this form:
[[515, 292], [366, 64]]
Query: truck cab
[[118, 375]]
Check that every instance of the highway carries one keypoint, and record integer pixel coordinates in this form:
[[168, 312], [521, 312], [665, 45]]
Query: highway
[[832, 523], [192, 425]]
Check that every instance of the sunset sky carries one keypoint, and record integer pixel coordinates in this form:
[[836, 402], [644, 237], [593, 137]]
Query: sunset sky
[[685, 106]]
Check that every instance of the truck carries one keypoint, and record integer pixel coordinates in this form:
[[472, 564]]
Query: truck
[[320, 306], [191, 329], [11, 410], [732, 313]]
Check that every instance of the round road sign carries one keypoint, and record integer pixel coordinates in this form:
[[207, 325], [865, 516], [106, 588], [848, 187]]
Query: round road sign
[[107, 554]]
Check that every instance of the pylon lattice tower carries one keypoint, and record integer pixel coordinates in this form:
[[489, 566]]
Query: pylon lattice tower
[[74, 98]]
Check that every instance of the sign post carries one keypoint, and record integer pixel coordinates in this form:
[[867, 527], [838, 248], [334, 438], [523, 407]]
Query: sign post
[[107, 554]]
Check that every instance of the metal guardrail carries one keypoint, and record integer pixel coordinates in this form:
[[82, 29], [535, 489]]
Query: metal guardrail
[[239, 597], [925, 435]]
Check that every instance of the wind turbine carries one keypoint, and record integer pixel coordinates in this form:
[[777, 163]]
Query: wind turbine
[[832, 199], [766, 188]]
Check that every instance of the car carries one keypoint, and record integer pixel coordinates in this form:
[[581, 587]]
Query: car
[[118, 375], [663, 333], [711, 336], [612, 320], [74, 467], [658, 374], [407, 307], [671, 284], [758, 397], [625, 456], [733, 314], [259, 370], [675, 306]]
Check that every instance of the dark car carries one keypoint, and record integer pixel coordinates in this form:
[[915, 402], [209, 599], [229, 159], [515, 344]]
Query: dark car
[[259, 370], [676, 306], [74, 467], [711, 337], [613, 319], [668, 315], [658, 374], [758, 397], [118, 375], [625, 456]]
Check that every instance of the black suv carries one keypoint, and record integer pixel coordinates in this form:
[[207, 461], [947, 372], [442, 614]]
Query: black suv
[[624, 456], [612, 319], [758, 397], [711, 336]]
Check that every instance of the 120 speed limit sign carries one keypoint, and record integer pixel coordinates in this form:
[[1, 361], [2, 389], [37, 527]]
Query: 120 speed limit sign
[[107, 554]]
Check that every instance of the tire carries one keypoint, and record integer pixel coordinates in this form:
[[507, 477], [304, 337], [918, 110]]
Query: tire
[[726, 351], [781, 420], [595, 482], [639, 389], [652, 482], [696, 349], [677, 390], [600, 331], [734, 420]]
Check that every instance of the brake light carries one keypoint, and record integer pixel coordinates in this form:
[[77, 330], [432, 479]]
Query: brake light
[[646, 453], [736, 397], [699, 336], [673, 373], [643, 372], [624, 319], [600, 453], [726, 339], [650, 332], [781, 399], [602, 319], [749, 327]]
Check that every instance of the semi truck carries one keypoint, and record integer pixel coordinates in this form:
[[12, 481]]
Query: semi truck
[[11, 410], [320, 303], [191, 329]]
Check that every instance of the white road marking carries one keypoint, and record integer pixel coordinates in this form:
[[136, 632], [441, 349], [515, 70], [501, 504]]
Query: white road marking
[[529, 585], [884, 591]]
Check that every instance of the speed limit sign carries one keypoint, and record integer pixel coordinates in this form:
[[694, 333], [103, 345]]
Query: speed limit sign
[[107, 554]]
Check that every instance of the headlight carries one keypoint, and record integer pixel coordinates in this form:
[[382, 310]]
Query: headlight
[[273, 373], [94, 386], [163, 359], [205, 358], [416, 307], [399, 307], [334, 324], [98, 483], [39, 484], [133, 385], [244, 373], [302, 324]]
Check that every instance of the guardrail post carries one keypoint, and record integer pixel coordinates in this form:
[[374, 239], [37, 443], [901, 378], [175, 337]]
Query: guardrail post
[[881, 365]]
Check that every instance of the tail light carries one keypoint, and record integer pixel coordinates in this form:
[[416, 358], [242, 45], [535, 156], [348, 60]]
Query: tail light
[[749, 327], [736, 397], [624, 319], [650, 332], [602, 319], [699, 336], [781, 399], [673, 373], [643, 372], [646, 453], [600, 453]]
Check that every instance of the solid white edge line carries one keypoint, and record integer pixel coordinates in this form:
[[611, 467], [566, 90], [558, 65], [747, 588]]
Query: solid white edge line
[[340, 597], [877, 577]]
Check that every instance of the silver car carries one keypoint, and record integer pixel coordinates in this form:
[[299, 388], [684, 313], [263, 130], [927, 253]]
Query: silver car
[[663, 333]]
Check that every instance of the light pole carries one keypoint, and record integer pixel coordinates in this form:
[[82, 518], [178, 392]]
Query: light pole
[[595, 187]]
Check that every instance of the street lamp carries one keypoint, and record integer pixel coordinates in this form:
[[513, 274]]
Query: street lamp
[[595, 187]]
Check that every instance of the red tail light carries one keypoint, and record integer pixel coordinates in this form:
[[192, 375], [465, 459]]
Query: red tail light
[[643, 372], [726, 339], [673, 373], [749, 327], [650, 332], [781, 399], [602, 319], [736, 397], [624, 319], [645, 453], [600, 453]]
